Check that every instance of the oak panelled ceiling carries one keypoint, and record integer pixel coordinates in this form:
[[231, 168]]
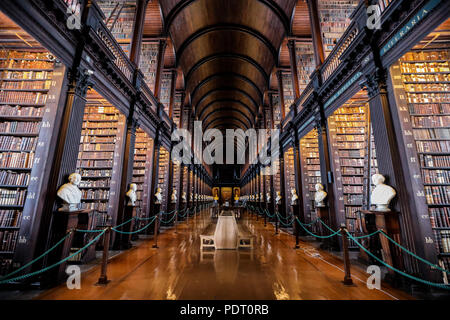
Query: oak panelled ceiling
[[227, 50]]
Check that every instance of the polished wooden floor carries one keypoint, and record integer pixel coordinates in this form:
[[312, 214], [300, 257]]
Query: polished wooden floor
[[177, 270]]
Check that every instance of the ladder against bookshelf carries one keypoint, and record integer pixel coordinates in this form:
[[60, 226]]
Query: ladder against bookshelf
[[421, 89], [142, 171], [334, 16], [27, 120], [99, 160], [289, 177], [310, 170], [348, 131]]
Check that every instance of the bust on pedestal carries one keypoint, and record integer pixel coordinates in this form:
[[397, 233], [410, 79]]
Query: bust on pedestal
[[278, 198], [70, 194], [268, 197], [294, 197], [173, 197], [382, 194], [131, 194], [158, 196], [183, 197], [320, 196]]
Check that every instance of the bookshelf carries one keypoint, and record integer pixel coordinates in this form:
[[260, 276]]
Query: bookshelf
[[163, 175], [310, 163], [99, 160], [288, 91], [119, 18], [166, 82], [349, 128], [334, 16], [276, 110], [142, 171], [149, 63], [421, 89], [289, 176], [304, 54], [27, 119]]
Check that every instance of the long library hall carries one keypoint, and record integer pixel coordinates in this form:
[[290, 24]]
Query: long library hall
[[224, 150]]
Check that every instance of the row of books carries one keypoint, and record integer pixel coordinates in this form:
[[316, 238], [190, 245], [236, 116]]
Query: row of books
[[353, 199], [440, 217], [94, 132], [430, 134], [98, 139], [304, 54], [426, 77], [20, 127], [10, 197], [106, 173], [433, 146], [352, 171], [351, 153], [95, 155], [17, 143], [349, 117], [350, 138], [428, 97], [431, 121], [101, 116], [436, 195], [16, 159], [97, 183], [432, 55], [6, 110], [97, 147], [344, 162], [432, 108], [26, 85], [99, 125], [352, 212], [352, 180], [425, 67], [5, 266], [444, 236], [13, 178], [351, 145], [25, 75], [22, 54], [353, 189], [96, 206], [90, 110], [428, 87], [8, 240], [23, 97], [436, 176], [148, 62], [138, 172], [25, 64], [432, 161], [10, 218], [89, 194], [353, 130], [94, 163]]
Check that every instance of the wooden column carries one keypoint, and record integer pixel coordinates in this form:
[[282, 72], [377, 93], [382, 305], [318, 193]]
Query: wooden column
[[155, 174], [327, 176], [294, 73], [319, 53], [182, 165], [281, 93], [138, 28], [159, 67], [298, 177], [272, 180], [282, 184]]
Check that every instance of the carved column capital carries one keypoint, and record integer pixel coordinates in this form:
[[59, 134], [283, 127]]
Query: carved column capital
[[81, 81]]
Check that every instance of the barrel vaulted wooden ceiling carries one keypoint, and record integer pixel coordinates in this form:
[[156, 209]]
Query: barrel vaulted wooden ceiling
[[227, 51]]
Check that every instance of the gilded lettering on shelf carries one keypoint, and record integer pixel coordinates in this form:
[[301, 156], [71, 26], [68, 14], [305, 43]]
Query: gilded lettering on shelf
[[412, 159], [417, 176], [420, 194]]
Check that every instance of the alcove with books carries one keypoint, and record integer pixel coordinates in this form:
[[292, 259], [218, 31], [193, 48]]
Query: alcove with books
[[420, 79]]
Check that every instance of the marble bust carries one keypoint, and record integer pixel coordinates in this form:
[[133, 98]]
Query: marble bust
[[320, 196], [131, 194], [294, 197], [183, 196], [70, 194], [158, 196], [278, 198], [174, 197], [382, 194], [268, 196], [261, 198]]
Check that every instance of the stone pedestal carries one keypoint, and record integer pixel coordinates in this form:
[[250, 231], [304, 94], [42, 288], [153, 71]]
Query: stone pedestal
[[123, 241], [62, 223], [85, 222]]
